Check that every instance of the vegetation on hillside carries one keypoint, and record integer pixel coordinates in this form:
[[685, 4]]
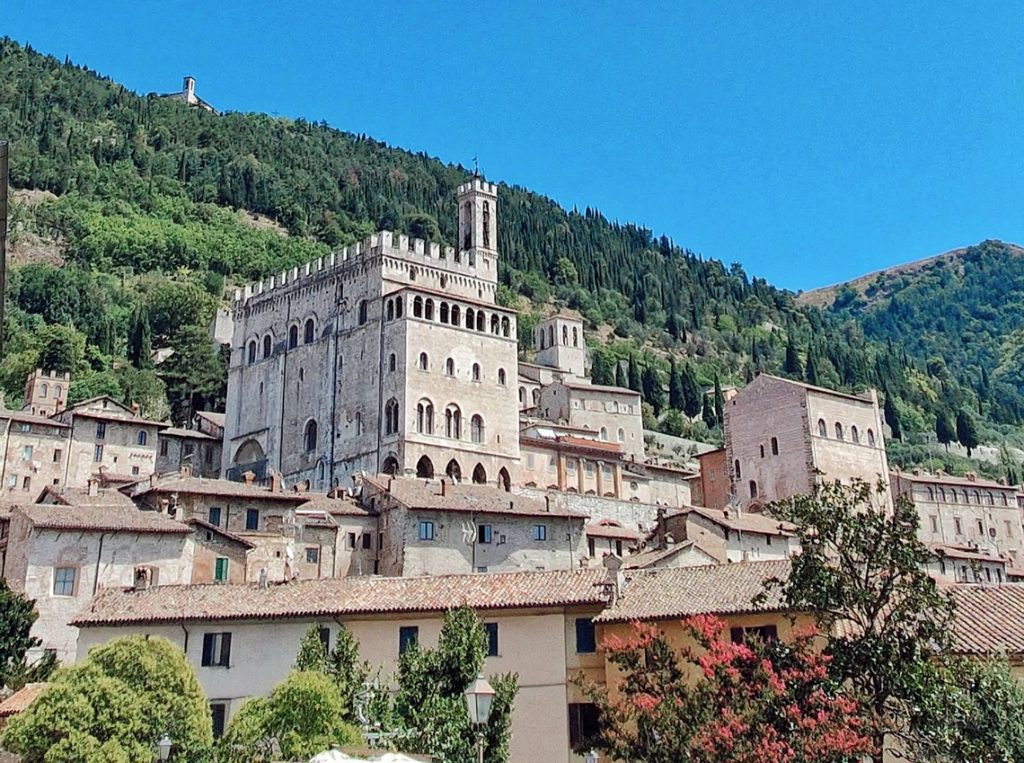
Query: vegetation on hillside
[[146, 215]]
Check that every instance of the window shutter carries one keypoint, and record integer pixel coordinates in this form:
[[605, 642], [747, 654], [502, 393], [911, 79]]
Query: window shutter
[[207, 650], [225, 649]]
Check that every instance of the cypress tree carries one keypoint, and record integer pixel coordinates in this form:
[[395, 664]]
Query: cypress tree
[[691, 392], [635, 383], [708, 413], [653, 392], [944, 428], [719, 401], [811, 370], [966, 431], [620, 375], [892, 416], [676, 397], [792, 365]]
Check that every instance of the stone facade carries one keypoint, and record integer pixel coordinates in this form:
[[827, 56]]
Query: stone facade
[[611, 413], [189, 448], [715, 488], [46, 392], [35, 452], [390, 356], [781, 436]]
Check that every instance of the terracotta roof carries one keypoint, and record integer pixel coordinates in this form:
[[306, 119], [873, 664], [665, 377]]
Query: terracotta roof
[[21, 699], [585, 442], [959, 552], [217, 419], [32, 418], [332, 597], [598, 388], [745, 521], [661, 594], [650, 559], [949, 479], [988, 619], [194, 434], [210, 527], [215, 487], [610, 529], [99, 519], [418, 494], [336, 506], [76, 496]]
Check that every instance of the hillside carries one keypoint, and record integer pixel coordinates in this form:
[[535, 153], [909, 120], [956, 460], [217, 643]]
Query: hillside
[[141, 211]]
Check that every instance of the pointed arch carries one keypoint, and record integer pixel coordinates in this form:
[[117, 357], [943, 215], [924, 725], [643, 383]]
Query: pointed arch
[[479, 475], [453, 470], [504, 480], [309, 332], [390, 465], [424, 468]]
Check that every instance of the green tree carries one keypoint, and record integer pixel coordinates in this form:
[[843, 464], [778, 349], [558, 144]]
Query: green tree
[[892, 416], [862, 574], [61, 349], [348, 672], [195, 375], [676, 398], [719, 402], [692, 397], [653, 391], [966, 431], [312, 655], [119, 702], [811, 369], [633, 376], [17, 615], [945, 430], [140, 343], [708, 413], [792, 366], [430, 706], [303, 715]]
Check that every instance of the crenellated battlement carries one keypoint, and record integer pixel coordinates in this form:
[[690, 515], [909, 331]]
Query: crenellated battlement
[[382, 243], [477, 184]]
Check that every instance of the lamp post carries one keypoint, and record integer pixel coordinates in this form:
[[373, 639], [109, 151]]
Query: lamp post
[[164, 746], [479, 696]]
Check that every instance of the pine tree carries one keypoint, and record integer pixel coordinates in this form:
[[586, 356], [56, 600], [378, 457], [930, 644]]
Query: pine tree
[[892, 416], [653, 391], [945, 431], [719, 402], [676, 396], [620, 375], [792, 365], [634, 380], [691, 392], [966, 431], [811, 370], [708, 413]]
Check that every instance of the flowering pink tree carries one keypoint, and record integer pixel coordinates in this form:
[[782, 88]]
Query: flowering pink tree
[[725, 702]]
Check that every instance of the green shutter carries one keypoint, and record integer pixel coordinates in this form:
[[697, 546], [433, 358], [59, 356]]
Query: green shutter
[[220, 573]]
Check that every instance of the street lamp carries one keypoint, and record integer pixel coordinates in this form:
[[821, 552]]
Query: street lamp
[[479, 696], [164, 746]]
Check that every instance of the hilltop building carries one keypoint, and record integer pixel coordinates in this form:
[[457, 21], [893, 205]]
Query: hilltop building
[[187, 95]]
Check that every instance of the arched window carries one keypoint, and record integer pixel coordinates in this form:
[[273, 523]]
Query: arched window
[[871, 438], [622, 434], [268, 346], [522, 395], [428, 310], [505, 324], [753, 489], [470, 318], [453, 470], [988, 498], [252, 351], [736, 468], [425, 417], [575, 337], [293, 337], [444, 312], [495, 325], [977, 497], [565, 335], [839, 431], [536, 397], [476, 428], [391, 417], [417, 307], [942, 494], [42, 389], [391, 310], [310, 330], [603, 434], [424, 468], [390, 465], [775, 446], [456, 315], [449, 367], [481, 321], [363, 312], [476, 372], [501, 377], [58, 391], [309, 436], [822, 428], [854, 434], [392, 363], [762, 450], [931, 493], [424, 362], [479, 475], [398, 307], [551, 336], [453, 422], [540, 338], [504, 480], [142, 438]]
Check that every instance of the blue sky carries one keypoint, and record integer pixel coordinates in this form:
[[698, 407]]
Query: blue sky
[[811, 142]]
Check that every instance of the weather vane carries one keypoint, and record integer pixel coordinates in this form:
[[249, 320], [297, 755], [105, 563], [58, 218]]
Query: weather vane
[[476, 168]]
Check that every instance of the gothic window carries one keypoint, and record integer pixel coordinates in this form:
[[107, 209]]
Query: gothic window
[[487, 224], [449, 367], [479, 475], [453, 422], [425, 417], [268, 346], [540, 338], [428, 310], [470, 318], [57, 392], [391, 417], [309, 437], [476, 372], [622, 434], [501, 377], [467, 236], [444, 312], [363, 311], [42, 390], [476, 428], [822, 428], [252, 351], [392, 363], [424, 362], [871, 438], [604, 434], [456, 315], [575, 337], [391, 310], [453, 470], [565, 335], [293, 337], [309, 332], [505, 324], [417, 307], [854, 434], [839, 431]]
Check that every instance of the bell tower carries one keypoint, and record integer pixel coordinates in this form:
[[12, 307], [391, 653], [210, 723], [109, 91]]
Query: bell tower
[[478, 227]]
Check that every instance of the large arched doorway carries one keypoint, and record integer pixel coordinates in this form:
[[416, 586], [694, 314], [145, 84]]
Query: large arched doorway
[[479, 475], [249, 451], [390, 466], [424, 468], [504, 479], [453, 470]]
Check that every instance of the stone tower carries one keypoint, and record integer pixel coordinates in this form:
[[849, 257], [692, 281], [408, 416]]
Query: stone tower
[[559, 344], [46, 392], [478, 226]]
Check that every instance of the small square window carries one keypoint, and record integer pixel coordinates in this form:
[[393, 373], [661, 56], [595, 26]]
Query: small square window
[[252, 519], [312, 555], [367, 541], [57, 453], [426, 531], [351, 541], [483, 534], [26, 453], [540, 532], [64, 581]]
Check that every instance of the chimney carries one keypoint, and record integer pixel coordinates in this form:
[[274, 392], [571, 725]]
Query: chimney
[[661, 528], [93, 487], [614, 580], [444, 487], [276, 483], [971, 477], [263, 578]]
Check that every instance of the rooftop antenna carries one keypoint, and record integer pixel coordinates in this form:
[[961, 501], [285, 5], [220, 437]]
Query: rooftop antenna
[[5, 150]]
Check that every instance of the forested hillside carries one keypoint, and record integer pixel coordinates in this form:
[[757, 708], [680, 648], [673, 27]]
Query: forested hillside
[[146, 221]]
